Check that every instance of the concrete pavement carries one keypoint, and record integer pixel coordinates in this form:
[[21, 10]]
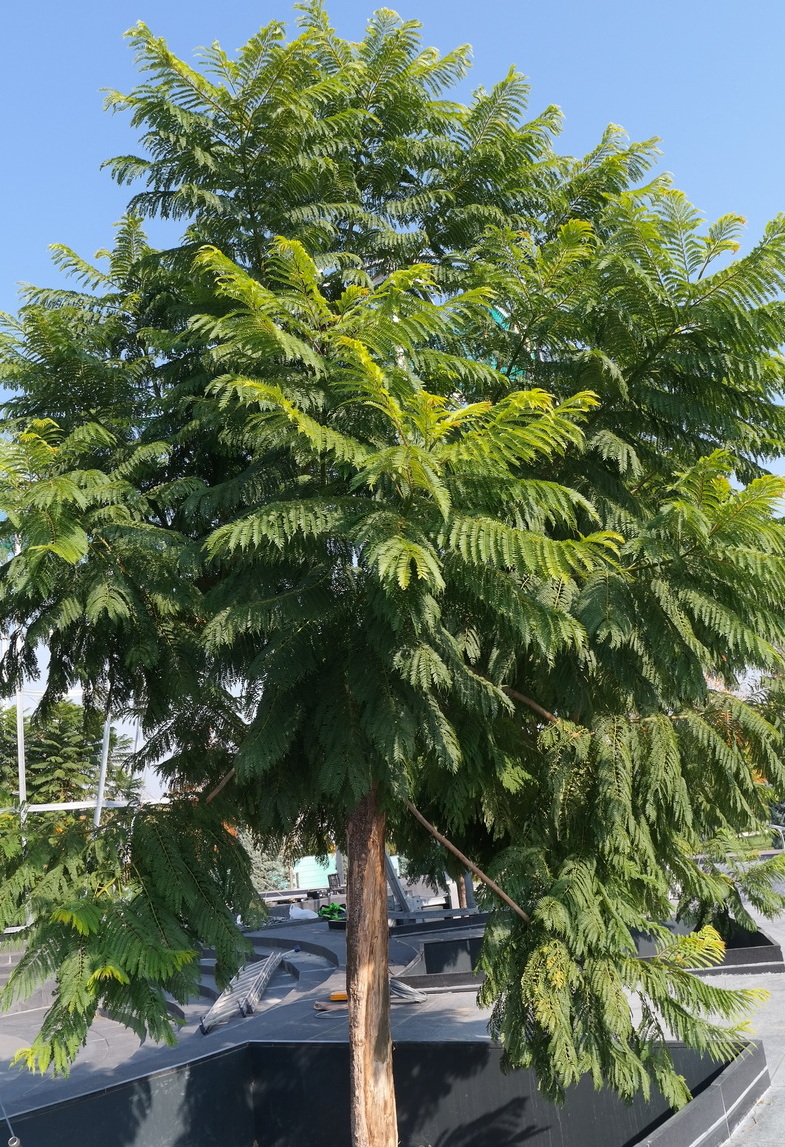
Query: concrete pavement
[[765, 1124]]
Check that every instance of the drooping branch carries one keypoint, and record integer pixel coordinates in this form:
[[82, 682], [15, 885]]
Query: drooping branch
[[478, 872]]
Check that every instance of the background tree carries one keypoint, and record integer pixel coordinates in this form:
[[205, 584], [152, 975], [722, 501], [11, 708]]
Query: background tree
[[269, 868], [62, 755], [308, 502]]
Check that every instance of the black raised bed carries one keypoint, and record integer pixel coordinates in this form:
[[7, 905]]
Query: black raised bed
[[446, 961], [746, 953], [450, 1094]]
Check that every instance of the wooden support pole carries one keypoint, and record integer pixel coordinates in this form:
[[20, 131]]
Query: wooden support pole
[[478, 872]]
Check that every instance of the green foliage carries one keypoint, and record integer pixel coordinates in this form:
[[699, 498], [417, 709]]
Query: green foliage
[[430, 459], [560, 997], [119, 917]]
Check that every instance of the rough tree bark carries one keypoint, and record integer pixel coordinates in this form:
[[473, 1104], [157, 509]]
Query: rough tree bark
[[374, 1121]]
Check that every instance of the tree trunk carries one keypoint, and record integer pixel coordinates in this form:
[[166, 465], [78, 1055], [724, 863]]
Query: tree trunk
[[374, 1122]]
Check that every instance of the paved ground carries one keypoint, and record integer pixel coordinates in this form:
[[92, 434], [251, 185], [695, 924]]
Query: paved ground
[[765, 1125]]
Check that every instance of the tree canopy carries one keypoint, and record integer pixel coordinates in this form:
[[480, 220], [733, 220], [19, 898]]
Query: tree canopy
[[429, 467]]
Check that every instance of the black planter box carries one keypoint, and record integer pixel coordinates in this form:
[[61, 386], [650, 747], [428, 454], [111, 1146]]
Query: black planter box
[[746, 953], [445, 961], [450, 1093]]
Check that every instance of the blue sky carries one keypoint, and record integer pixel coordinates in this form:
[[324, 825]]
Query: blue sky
[[705, 76]]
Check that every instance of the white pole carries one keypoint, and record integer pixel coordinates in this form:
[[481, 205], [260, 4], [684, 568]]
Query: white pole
[[21, 766], [99, 800], [20, 754], [22, 776]]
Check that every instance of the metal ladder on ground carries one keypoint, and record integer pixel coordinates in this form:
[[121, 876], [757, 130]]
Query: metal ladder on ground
[[244, 992]]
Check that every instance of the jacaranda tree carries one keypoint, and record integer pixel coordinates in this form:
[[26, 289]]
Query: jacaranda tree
[[403, 482]]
